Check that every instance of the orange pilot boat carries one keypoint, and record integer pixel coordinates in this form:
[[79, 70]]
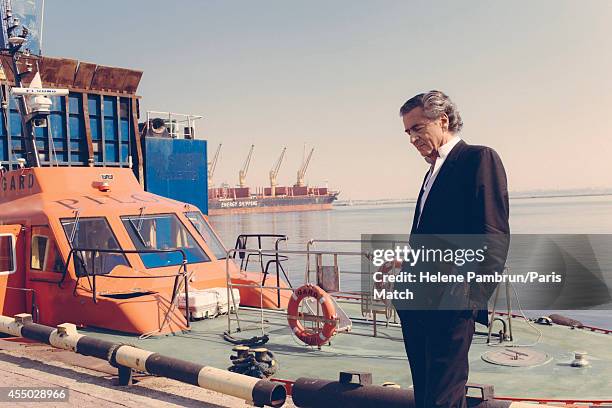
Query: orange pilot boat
[[81, 241], [89, 246]]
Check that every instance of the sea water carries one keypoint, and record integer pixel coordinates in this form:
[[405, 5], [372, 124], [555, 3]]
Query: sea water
[[556, 215]]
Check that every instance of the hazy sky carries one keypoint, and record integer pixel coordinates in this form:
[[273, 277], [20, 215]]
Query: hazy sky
[[533, 79]]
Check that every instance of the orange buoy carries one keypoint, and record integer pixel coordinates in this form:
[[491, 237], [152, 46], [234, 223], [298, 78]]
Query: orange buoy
[[312, 336]]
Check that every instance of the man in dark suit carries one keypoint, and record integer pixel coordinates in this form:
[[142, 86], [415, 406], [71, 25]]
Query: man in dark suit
[[464, 193]]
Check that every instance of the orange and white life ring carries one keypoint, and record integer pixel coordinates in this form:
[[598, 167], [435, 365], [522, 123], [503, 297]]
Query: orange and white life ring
[[312, 336]]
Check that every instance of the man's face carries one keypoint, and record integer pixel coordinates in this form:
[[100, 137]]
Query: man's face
[[425, 134]]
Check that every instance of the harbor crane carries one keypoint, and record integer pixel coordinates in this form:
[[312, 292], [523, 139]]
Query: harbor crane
[[212, 166], [302, 171], [274, 171], [245, 169]]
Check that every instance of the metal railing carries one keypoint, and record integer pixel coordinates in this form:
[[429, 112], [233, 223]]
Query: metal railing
[[277, 260], [261, 287], [370, 308], [173, 121]]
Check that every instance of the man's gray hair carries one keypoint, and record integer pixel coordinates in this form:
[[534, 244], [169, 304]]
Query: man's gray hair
[[434, 104]]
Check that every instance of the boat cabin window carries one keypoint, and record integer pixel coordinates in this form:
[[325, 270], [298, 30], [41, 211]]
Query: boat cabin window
[[39, 252], [45, 255], [198, 221], [88, 234], [163, 232], [7, 254]]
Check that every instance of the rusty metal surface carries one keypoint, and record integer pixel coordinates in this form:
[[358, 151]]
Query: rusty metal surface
[[132, 79], [84, 74], [74, 75], [22, 64], [117, 79], [57, 72]]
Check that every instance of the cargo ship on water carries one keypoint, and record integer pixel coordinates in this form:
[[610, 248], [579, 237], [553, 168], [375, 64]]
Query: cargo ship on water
[[243, 199]]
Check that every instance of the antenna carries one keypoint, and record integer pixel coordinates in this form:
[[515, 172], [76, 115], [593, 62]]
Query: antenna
[[42, 25]]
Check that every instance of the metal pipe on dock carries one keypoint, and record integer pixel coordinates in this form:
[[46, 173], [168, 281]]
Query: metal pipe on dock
[[127, 358], [318, 393]]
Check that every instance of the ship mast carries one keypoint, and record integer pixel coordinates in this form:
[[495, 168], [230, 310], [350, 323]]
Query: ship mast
[[33, 102], [245, 169], [302, 171], [212, 166], [15, 43], [274, 172]]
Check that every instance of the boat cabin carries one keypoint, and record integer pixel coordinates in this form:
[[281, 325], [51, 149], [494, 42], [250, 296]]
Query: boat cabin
[[88, 245]]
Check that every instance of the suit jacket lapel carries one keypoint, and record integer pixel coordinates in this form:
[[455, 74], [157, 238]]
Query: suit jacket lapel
[[417, 209], [442, 177]]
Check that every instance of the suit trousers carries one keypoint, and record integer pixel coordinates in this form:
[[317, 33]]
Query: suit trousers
[[437, 344]]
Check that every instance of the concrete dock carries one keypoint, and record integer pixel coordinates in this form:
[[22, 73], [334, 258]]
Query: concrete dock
[[92, 382]]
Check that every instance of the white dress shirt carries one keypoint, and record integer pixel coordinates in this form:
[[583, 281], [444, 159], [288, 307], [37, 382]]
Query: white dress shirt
[[443, 152]]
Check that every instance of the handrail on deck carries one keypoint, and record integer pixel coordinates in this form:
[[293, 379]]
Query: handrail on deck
[[231, 253], [242, 242], [312, 242]]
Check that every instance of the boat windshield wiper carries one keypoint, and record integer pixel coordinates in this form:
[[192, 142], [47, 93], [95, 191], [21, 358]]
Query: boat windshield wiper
[[80, 255], [138, 234], [140, 218], [77, 217], [138, 228]]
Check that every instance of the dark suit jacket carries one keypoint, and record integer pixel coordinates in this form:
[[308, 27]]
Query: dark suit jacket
[[470, 196]]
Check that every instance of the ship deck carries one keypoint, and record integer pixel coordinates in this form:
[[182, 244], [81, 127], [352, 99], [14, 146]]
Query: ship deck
[[385, 358]]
